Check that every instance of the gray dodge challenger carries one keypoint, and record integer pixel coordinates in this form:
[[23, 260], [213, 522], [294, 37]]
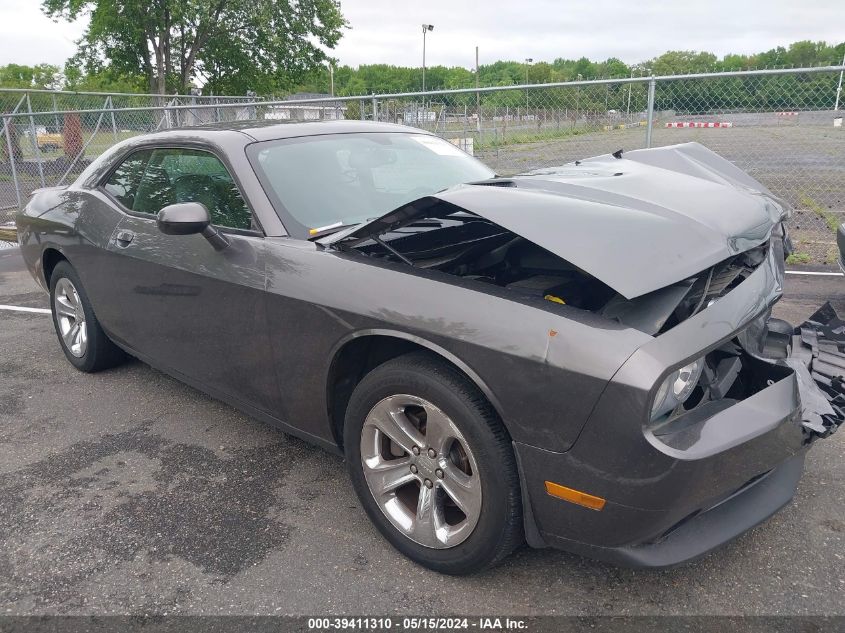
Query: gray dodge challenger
[[580, 357]]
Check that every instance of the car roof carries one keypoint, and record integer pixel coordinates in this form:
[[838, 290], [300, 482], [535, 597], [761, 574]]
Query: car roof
[[269, 130]]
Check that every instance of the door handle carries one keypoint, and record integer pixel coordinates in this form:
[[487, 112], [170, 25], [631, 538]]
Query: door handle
[[124, 237]]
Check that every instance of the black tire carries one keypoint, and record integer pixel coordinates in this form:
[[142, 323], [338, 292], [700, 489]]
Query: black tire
[[499, 529], [100, 353]]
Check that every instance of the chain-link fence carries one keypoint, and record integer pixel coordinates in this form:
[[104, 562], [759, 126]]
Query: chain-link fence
[[781, 126], [48, 137]]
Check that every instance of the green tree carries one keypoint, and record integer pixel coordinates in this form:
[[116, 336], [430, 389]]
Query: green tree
[[234, 44], [614, 68], [77, 77], [806, 53], [683, 63], [44, 76]]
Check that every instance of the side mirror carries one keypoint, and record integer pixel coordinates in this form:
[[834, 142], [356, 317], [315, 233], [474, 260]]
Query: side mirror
[[189, 218], [185, 218]]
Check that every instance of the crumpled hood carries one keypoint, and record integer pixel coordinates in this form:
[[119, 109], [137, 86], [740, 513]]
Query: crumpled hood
[[637, 223]]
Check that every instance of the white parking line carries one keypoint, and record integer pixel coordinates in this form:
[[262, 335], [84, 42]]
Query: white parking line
[[23, 309], [812, 272]]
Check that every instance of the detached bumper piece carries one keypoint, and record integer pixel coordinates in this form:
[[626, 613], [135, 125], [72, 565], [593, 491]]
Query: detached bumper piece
[[818, 358]]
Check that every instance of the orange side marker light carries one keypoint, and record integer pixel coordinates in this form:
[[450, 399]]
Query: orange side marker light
[[574, 496]]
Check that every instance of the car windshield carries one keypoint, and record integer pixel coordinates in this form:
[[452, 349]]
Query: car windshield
[[322, 182]]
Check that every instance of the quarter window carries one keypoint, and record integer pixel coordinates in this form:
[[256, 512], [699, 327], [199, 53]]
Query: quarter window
[[151, 179], [123, 184]]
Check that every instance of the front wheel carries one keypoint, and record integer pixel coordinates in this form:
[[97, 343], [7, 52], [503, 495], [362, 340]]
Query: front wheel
[[83, 340], [433, 465]]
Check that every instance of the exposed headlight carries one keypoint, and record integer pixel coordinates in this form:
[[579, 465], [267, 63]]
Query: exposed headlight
[[676, 388]]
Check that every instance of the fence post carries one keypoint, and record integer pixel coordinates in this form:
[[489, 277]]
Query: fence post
[[251, 111], [652, 84], [361, 103], [12, 160], [36, 150], [113, 122], [375, 108], [56, 116]]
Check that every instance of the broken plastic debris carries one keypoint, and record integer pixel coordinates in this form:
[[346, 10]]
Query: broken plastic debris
[[818, 358]]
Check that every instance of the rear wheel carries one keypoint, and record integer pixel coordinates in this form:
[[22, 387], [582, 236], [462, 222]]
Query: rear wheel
[[83, 340], [433, 465]]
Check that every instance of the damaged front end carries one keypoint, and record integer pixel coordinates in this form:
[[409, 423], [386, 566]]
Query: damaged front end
[[730, 399], [701, 432], [648, 242], [764, 352], [814, 351], [762, 355]]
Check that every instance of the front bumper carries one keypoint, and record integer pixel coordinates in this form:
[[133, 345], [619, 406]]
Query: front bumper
[[667, 504], [670, 499], [694, 535]]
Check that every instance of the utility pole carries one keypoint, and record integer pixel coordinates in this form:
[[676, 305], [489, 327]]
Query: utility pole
[[839, 88], [630, 86]]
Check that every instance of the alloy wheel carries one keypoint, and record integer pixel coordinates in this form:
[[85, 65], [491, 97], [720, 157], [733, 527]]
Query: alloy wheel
[[70, 317], [421, 471]]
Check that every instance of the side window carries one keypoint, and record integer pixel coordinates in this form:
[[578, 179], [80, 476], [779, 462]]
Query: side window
[[123, 183], [186, 175]]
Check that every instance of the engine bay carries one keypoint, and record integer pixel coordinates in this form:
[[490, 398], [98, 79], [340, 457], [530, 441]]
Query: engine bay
[[468, 246]]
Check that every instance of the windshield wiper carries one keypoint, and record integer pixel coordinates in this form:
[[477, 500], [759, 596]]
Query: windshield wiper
[[323, 231]]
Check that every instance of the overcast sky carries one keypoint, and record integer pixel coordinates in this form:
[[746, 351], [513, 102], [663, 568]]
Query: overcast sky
[[389, 31]]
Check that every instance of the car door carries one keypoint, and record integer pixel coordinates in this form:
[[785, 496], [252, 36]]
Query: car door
[[176, 301]]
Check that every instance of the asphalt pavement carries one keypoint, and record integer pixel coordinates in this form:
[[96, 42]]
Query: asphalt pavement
[[128, 492]]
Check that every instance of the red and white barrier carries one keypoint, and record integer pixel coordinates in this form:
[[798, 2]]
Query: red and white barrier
[[700, 124]]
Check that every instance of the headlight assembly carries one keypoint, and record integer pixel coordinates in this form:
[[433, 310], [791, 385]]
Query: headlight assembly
[[676, 388]]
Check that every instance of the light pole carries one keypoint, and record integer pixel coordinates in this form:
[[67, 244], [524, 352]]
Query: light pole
[[528, 61], [425, 29], [331, 76]]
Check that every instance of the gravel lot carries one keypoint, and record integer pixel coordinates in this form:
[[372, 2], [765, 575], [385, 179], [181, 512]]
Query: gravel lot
[[127, 492]]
